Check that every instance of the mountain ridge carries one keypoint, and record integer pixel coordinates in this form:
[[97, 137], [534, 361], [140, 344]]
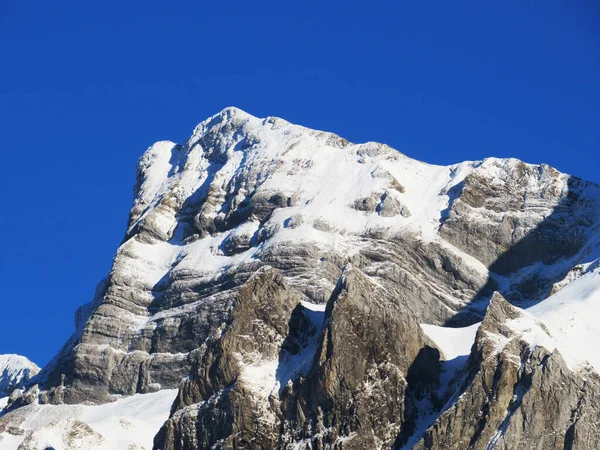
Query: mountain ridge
[[311, 245]]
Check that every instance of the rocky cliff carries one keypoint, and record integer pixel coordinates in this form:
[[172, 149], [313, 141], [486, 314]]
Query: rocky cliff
[[300, 291]]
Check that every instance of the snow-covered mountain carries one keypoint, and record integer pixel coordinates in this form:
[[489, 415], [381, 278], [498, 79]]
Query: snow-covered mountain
[[295, 290], [128, 423], [15, 372]]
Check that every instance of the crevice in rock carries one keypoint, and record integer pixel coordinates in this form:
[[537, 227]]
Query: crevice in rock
[[575, 414]]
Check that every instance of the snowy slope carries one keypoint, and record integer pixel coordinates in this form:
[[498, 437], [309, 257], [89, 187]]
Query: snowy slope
[[245, 192], [324, 173], [326, 179], [188, 225], [325, 176], [15, 370], [453, 342], [572, 317], [128, 423]]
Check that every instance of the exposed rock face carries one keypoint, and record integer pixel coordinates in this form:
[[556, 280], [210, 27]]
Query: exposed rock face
[[277, 277], [350, 387], [355, 394], [517, 395], [521, 216], [227, 399], [520, 201]]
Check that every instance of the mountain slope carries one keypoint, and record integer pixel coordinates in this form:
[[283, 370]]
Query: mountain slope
[[128, 423], [15, 372], [278, 277]]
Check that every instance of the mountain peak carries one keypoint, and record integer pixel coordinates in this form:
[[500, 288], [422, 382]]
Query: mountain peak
[[15, 372], [264, 262]]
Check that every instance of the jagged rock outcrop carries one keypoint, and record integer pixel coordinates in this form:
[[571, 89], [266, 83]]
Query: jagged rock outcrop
[[521, 216], [227, 399], [350, 387], [277, 277], [517, 394], [356, 393]]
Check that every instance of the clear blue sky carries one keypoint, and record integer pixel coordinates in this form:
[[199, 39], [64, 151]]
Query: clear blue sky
[[86, 87]]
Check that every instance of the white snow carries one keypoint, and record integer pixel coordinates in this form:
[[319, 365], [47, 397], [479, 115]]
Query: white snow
[[260, 377], [453, 342], [313, 306], [130, 421], [455, 345], [266, 376], [532, 331], [15, 369], [325, 175], [572, 317]]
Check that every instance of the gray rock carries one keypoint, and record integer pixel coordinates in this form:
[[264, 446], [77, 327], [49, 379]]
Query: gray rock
[[233, 235], [389, 207], [522, 397]]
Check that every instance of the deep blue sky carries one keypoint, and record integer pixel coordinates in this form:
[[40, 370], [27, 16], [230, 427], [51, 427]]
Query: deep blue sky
[[86, 87]]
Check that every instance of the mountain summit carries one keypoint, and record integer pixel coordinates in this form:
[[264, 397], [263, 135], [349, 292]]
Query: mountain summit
[[293, 290], [15, 372]]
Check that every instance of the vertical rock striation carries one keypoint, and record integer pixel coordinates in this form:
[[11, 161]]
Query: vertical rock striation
[[278, 277]]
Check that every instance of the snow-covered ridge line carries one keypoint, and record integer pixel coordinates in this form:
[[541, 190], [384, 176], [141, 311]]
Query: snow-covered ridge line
[[569, 317], [15, 372], [244, 194]]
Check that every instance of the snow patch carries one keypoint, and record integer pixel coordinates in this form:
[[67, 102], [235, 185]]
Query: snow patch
[[130, 422], [571, 316], [260, 377], [453, 342]]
